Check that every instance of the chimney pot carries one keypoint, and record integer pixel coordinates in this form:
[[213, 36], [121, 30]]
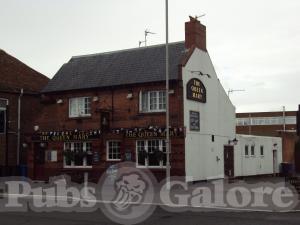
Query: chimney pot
[[195, 34]]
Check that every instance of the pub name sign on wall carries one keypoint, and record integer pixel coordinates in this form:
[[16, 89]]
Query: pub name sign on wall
[[196, 90]]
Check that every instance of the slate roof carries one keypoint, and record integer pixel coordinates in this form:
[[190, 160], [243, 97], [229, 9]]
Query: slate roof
[[15, 75], [132, 66]]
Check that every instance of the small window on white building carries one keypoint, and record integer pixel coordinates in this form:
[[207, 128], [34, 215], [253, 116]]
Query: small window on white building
[[252, 150], [113, 151], [261, 150], [246, 150], [152, 101], [79, 107]]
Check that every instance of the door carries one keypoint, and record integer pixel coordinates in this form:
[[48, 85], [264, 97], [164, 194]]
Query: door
[[297, 157], [39, 161], [228, 161], [275, 162]]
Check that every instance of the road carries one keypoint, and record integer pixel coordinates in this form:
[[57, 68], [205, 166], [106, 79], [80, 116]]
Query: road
[[159, 217]]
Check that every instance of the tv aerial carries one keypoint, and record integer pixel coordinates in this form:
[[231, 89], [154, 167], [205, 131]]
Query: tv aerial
[[196, 17], [146, 33]]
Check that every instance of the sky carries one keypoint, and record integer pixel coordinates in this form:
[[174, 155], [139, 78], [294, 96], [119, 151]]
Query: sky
[[254, 44]]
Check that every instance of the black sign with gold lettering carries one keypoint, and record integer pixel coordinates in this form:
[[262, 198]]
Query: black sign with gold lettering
[[66, 135], [153, 133], [196, 90]]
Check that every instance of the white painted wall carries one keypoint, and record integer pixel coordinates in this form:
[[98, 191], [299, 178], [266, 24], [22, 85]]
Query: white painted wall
[[257, 164], [217, 117]]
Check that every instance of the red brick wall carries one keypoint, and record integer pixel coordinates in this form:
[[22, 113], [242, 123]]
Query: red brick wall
[[124, 114], [15, 75]]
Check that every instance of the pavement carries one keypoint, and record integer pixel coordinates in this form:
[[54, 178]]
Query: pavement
[[188, 212], [159, 217]]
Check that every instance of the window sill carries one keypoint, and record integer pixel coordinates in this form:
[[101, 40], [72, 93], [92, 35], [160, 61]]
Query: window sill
[[151, 167], [152, 113], [78, 167], [80, 117], [113, 160]]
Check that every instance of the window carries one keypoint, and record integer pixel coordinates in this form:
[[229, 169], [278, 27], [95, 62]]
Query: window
[[113, 150], [261, 150], [246, 150], [151, 153], [77, 154], [153, 101], [252, 150], [257, 121], [51, 156], [79, 107]]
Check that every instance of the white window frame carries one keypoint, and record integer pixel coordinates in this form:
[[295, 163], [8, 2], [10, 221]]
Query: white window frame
[[82, 102], [160, 104], [84, 159], [107, 150], [146, 148]]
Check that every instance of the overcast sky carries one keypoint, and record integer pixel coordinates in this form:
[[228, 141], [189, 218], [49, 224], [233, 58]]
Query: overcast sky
[[254, 44]]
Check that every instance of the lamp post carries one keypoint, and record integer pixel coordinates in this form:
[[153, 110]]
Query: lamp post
[[167, 102]]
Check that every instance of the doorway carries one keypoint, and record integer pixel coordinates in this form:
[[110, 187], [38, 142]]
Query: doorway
[[228, 161], [275, 162], [39, 161]]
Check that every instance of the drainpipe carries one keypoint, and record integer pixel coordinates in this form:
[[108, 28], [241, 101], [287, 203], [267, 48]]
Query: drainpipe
[[283, 115], [19, 127]]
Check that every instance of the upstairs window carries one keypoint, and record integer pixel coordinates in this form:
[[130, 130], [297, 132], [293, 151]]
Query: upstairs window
[[152, 101], [80, 107]]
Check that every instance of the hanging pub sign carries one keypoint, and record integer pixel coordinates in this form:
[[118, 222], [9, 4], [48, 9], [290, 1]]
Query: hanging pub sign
[[66, 135], [196, 90]]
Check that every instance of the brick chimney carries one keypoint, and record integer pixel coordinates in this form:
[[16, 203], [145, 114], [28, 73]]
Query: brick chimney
[[195, 34]]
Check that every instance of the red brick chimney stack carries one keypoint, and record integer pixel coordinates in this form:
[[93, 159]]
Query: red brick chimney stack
[[195, 34]]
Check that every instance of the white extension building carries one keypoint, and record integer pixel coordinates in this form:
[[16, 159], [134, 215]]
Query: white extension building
[[209, 118]]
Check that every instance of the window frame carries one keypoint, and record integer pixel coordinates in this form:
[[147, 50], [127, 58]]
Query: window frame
[[3, 109], [84, 108], [107, 150], [161, 147], [160, 101], [84, 148], [246, 148], [252, 148], [262, 151]]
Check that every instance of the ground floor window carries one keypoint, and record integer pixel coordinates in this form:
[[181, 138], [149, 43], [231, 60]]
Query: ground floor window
[[77, 154], [113, 150], [151, 153]]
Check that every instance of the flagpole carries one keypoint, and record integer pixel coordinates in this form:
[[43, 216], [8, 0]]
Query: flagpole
[[168, 146]]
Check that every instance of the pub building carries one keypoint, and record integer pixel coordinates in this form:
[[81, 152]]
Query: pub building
[[101, 109]]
